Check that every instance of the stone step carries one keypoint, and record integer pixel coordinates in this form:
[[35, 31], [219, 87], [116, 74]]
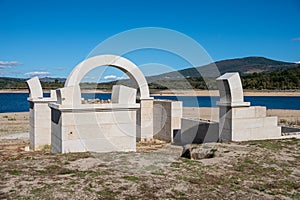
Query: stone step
[[249, 123], [248, 112]]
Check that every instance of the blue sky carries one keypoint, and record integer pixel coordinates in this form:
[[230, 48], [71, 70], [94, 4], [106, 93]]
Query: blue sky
[[51, 37]]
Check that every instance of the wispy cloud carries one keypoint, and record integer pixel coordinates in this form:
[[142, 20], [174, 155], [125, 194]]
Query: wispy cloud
[[8, 64], [30, 74], [110, 77], [114, 77], [297, 39]]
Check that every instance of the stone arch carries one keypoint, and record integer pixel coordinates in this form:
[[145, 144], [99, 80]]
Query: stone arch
[[119, 62]]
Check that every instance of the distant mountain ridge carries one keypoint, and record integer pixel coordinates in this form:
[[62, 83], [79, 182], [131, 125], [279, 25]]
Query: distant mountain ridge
[[244, 66]]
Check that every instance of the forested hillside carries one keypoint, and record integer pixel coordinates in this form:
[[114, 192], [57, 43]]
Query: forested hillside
[[257, 73]]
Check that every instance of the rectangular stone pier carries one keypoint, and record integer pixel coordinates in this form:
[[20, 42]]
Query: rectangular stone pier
[[97, 128]]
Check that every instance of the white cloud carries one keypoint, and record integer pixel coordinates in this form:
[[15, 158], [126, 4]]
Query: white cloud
[[37, 74], [110, 77], [296, 38], [122, 77], [8, 64], [114, 77]]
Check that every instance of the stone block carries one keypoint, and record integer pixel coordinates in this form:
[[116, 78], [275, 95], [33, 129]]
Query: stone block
[[195, 131], [90, 130], [123, 95], [241, 135], [260, 111], [243, 112], [230, 88], [247, 123], [270, 122], [70, 96], [265, 133], [176, 122], [35, 88], [176, 112]]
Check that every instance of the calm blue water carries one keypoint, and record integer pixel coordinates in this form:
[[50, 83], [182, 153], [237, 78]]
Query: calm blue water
[[17, 102]]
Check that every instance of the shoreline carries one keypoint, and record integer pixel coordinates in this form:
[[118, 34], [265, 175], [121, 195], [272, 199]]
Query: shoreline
[[185, 92]]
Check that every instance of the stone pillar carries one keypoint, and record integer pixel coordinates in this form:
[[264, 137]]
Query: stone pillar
[[145, 120], [39, 115]]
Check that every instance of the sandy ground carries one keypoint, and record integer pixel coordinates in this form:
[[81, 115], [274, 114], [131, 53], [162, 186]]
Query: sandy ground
[[14, 123], [187, 92], [248, 170]]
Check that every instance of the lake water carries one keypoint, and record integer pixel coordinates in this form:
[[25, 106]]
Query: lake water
[[17, 102]]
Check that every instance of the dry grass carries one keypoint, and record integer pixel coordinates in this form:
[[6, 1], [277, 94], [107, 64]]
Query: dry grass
[[14, 123], [248, 170]]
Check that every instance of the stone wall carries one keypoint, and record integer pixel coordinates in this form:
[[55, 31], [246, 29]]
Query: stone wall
[[166, 119], [248, 123], [197, 131], [97, 131]]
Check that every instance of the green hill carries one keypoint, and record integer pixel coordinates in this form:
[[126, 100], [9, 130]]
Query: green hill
[[244, 66], [280, 80], [256, 73]]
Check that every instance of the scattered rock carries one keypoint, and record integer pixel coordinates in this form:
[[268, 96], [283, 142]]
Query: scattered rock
[[197, 153]]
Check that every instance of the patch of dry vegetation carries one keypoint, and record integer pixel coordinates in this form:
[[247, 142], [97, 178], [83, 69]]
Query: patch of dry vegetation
[[14, 123], [248, 170]]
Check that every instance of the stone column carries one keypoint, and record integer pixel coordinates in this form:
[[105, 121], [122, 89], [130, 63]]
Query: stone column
[[39, 115], [40, 123], [145, 120]]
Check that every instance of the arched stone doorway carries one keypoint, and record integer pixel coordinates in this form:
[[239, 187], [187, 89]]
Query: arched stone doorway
[[121, 63], [71, 120]]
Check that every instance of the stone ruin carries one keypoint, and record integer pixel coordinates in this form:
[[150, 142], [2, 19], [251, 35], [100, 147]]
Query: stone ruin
[[69, 125], [116, 126], [238, 121]]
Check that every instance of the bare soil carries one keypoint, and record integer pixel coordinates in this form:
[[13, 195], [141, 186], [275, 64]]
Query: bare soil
[[248, 170], [14, 123]]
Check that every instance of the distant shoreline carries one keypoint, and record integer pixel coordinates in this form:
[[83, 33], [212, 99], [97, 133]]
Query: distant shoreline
[[188, 92]]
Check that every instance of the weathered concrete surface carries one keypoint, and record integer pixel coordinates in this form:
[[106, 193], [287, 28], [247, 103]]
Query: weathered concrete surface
[[39, 115], [97, 128], [167, 119], [195, 131], [237, 120]]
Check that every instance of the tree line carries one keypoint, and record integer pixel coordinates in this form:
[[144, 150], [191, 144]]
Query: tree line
[[288, 79]]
